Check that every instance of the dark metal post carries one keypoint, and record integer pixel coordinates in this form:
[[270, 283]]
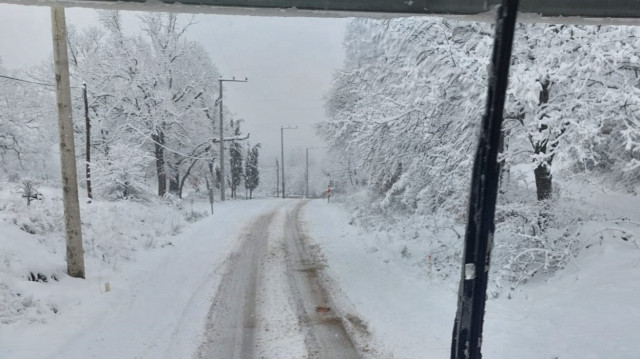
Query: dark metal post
[[87, 122], [467, 330], [211, 197]]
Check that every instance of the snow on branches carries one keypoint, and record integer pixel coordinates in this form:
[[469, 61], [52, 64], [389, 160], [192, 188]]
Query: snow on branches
[[405, 107]]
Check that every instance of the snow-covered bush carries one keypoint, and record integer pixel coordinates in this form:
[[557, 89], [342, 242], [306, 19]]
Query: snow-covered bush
[[33, 244], [29, 189], [121, 173], [533, 237]]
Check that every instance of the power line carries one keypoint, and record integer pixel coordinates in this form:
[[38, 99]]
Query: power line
[[31, 82], [27, 81]]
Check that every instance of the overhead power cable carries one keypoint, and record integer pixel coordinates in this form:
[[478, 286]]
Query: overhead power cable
[[31, 82]]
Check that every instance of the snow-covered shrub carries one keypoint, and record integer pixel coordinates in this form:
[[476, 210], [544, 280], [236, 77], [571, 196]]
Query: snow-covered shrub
[[533, 238], [194, 216], [29, 189], [42, 219], [173, 201], [15, 305], [121, 173]]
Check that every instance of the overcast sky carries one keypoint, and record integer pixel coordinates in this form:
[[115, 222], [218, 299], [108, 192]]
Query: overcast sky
[[289, 63]]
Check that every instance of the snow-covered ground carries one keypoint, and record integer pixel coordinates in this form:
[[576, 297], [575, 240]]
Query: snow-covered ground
[[155, 303], [162, 284], [409, 315], [587, 310]]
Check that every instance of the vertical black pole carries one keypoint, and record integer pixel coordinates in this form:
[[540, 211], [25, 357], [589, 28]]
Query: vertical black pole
[[87, 122], [467, 330]]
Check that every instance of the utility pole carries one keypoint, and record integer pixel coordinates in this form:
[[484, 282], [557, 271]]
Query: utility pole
[[282, 151], [306, 175], [75, 252], [222, 176], [277, 179], [87, 122]]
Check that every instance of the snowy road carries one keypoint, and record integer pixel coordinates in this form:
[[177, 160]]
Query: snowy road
[[271, 302], [251, 282], [241, 284]]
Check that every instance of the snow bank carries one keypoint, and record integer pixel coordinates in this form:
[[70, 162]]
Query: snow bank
[[161, 272], [33, 245], [587, 309], [408, 309]]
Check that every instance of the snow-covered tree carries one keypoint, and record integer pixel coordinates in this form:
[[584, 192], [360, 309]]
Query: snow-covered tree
[[566, 82], [406, 100], [121, 174], [27, 126], [152, 92], [235, 161], [405, 106], [252, 171]]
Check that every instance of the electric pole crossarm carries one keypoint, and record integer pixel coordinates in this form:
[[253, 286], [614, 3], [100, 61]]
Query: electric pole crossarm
[[231, 139]]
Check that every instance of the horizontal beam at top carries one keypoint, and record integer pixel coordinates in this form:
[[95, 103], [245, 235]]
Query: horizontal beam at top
[[537, 10]]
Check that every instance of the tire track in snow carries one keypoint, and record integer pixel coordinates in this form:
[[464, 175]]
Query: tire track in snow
[[231, 322], [326, 336], [279, 335], [271, 302]]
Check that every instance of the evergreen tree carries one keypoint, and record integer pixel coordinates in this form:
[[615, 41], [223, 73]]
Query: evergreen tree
[[252, 173], [235, 160]]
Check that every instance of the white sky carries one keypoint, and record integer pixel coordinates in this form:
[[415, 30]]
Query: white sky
[[289, 63]]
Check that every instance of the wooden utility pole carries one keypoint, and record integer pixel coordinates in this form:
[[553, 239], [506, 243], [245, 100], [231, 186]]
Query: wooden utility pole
[[87, 123], [277, 179], [306, 173], [282, 152], [75, 252], [222, 176]]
